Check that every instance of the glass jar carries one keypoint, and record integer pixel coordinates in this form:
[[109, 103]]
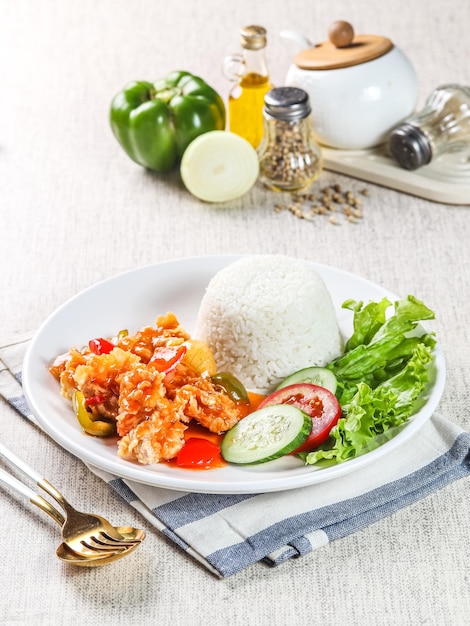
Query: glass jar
[[289, 156], [442, 126]]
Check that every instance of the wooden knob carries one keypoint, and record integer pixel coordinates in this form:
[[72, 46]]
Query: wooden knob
[[341, 34]]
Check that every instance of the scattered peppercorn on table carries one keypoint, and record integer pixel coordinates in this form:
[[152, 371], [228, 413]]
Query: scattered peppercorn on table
[[81, 203]]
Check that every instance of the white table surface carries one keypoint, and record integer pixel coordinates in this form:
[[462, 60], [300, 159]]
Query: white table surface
[[76, 210]]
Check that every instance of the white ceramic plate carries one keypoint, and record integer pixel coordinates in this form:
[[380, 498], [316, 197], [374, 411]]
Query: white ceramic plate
[[135, 299]]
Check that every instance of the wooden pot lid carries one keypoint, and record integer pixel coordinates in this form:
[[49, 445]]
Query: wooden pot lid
[[343, 49]]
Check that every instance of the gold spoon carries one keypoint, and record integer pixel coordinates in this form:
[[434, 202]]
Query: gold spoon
[[82, 532], [88, 536]]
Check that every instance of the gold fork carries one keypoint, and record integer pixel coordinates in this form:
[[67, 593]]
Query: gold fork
[[81, 556], [84, 533]]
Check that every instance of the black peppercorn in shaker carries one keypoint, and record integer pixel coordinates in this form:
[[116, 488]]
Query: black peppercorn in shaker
[[289, 156]]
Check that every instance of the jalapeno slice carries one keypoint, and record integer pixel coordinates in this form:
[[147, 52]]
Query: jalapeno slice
[[86, 419], [233, 387]]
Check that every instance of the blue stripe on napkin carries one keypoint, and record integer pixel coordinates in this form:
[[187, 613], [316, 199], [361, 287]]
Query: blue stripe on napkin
[[19, 403], [122, 489], [196, 506]]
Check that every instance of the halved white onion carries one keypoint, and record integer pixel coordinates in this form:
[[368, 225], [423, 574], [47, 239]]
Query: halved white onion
[[219, 166]]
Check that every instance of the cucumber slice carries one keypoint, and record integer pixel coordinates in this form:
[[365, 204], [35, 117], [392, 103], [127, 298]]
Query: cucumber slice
[[314, 376], [219, 166], [266, 434]]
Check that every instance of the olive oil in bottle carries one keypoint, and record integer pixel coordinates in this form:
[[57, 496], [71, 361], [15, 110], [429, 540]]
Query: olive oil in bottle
[[246, 99]]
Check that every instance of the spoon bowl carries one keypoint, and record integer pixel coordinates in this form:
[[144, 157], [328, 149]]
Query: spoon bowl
[[67, 555]]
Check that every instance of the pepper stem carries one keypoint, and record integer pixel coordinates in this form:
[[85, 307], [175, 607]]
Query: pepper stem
[[165, 95]]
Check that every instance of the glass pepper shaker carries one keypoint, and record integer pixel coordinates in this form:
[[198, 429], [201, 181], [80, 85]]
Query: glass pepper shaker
[[289, 156], [443, 125]]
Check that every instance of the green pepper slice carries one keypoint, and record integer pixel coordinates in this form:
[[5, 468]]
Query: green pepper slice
[[155, 122], [233, 387], [95, 427]]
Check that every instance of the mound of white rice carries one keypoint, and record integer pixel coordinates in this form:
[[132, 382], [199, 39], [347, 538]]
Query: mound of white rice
[[267, 316]]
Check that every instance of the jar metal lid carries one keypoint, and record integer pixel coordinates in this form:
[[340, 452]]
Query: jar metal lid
[[286, 103]]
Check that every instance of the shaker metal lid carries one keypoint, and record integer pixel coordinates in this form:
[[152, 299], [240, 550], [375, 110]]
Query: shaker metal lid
[[410, 146], [287, 103], [343, 49]]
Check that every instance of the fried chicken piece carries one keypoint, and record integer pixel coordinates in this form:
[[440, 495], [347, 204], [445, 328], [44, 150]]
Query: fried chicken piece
[[211, 407], [64, 368], [141, 391], [99, 376], [158, 438], [167, 332]]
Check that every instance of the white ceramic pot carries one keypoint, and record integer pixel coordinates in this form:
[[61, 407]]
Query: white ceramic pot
[[355, 107]]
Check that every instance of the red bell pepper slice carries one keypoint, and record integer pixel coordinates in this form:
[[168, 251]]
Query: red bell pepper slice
[[98, 399], [100, 346], [199, 454], [167, 358]]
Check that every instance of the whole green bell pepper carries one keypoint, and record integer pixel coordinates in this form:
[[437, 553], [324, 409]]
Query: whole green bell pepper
[[155, 122]]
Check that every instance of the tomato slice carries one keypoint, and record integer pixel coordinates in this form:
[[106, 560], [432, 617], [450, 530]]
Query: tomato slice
[[318, 402], [199, 454]]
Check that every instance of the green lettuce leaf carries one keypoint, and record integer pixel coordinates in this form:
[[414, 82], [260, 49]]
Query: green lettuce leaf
[[381, 376], [367, 321], [387, 344]]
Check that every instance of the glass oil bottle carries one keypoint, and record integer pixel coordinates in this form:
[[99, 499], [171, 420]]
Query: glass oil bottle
[[246, 99]]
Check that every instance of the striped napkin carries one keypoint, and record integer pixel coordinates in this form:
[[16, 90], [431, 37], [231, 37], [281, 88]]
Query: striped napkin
[[227, 533]]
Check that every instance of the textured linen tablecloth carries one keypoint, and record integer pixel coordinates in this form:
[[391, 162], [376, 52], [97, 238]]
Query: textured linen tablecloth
[[75, 210]]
